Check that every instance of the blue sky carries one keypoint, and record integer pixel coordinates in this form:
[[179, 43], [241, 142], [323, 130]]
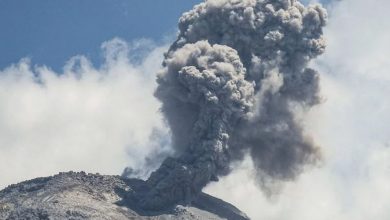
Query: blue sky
[[51, 31]]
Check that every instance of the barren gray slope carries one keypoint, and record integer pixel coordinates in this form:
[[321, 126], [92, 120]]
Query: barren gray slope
[[93, 196]]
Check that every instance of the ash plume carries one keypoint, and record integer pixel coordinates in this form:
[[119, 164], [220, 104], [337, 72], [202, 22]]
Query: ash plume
[[230, 85]]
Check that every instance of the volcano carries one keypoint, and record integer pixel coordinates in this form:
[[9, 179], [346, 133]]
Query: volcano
[[78, 195]]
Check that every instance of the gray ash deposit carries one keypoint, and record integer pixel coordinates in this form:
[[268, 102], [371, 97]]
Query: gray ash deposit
[[92, 196]]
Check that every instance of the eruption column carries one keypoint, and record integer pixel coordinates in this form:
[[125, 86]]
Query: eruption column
[[230, 84]]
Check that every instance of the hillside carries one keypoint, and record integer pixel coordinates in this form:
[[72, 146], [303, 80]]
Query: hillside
[[92, 196]]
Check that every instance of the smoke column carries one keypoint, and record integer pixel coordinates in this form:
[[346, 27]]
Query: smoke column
[[230, 86]]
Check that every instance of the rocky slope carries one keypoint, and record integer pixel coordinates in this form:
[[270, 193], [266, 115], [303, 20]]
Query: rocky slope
[[92, 196]]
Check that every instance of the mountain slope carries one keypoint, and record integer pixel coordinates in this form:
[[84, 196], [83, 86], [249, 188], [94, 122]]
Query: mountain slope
[[92, 196]]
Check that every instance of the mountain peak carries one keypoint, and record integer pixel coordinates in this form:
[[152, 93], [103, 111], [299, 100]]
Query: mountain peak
[[78, 195]]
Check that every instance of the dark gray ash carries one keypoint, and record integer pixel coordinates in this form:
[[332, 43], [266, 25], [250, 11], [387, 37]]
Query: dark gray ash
[[231, 85]]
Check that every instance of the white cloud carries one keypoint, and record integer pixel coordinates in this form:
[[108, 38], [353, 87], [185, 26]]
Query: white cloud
[[86, 118], [353, 126]]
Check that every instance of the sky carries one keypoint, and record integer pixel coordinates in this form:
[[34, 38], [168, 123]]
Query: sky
[[50, 32], [71, 71]]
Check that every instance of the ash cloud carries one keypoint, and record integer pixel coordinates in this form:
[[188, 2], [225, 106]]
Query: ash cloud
[[230, 85]]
